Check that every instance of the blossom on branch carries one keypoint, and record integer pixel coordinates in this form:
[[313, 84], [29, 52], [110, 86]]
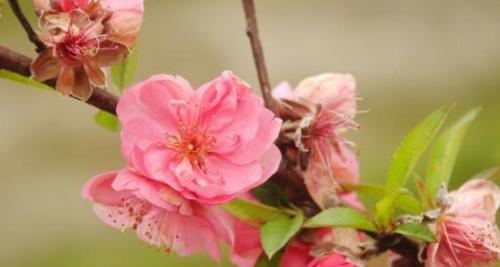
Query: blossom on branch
[[323, 106], [210, 145], [82, 37], [466, 229]]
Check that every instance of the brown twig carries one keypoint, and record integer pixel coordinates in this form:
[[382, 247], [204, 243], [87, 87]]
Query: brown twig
[[19, 63], [32, 36], [258, 53]]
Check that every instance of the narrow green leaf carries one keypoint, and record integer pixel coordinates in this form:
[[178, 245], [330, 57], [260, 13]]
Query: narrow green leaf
[[107, 120], [416, 230], [445, 151], [122, 74], [406, 203], [365, 189], [341, 216], [252, 211], [9, 75], [412, 147], [410, 204], [385, 207], [277, 232]]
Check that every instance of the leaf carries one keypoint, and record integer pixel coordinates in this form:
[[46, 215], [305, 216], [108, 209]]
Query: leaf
[[277, 232], [410, 204], [107, 120], [407, 203], [412, 147], [416, 230], [9, 75], [445, 151], [122, 74], [385, 207], [341, 216], [365, 189], [252, 211]]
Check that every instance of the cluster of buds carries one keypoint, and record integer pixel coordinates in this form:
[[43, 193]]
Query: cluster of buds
[[82, 37]]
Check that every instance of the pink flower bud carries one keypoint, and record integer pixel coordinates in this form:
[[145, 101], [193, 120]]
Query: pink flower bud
[[466, 229]]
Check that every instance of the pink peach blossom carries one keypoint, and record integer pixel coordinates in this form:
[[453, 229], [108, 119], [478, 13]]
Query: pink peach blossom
[[158, 215], [326, 105], [164, 219], [466, 229], [210, 145]]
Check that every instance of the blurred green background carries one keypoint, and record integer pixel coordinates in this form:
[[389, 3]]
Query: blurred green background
[[409, 57]]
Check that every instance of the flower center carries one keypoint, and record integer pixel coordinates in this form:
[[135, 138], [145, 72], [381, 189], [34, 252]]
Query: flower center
[[192, 144]]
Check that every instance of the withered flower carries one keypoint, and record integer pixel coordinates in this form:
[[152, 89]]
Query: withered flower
[[82, 37]]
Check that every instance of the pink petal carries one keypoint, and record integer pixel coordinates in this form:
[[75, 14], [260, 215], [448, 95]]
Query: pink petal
[[153, 100]]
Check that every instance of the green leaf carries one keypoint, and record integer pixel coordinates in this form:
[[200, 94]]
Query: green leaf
[[107, 120], [277, 232], [122, 74], [416, 230], [365, 189], [252, 211], [385, 207], [445, 151], [407, 203], [9, 75], [412, 147], [341, 216]]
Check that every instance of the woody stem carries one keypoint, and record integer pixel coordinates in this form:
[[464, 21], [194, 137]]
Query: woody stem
[[20, 64], [32, 36], [258, 53]]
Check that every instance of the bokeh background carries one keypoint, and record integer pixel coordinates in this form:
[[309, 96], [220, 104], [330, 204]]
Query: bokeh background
[[409, 57]]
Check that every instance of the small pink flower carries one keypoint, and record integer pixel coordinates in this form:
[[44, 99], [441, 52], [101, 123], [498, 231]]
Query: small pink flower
[[210, 145], [82, 37], [333, 259], [466, 229], [158, 215], [325, 105]]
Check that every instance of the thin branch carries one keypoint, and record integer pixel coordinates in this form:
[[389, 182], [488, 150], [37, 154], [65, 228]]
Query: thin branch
[[19, 63], [33, 37], [258, 53]]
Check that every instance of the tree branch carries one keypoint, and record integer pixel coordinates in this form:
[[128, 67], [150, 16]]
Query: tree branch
[[32, 36], [19, 63], [258, 53]]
